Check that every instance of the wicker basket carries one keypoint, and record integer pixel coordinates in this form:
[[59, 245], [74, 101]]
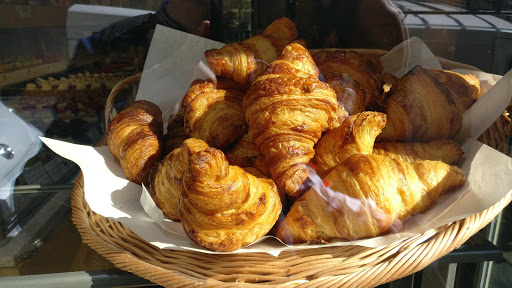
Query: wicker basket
[[346, 266]]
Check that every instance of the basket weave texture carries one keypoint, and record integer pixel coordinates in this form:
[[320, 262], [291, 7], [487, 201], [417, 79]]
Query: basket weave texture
[[346, 266]]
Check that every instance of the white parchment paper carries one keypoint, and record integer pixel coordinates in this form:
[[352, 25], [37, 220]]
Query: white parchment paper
[[173, 61]]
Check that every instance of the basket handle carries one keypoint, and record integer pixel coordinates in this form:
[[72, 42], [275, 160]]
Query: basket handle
[[110, 112]]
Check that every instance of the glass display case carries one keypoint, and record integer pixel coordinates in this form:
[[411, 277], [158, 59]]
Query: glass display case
[[47, 90]]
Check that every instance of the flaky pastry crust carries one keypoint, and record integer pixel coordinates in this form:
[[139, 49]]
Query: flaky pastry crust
[[134, 137], [165, 189], [465, 88], [420, 108], [369, 194], [287, 110], [356, 135], [224, 208], [245, 61], [444, 150], [214, 115], [356, 78]]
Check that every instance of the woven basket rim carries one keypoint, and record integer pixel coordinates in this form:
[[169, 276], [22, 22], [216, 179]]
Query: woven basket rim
[[345, 266], [342, 266]]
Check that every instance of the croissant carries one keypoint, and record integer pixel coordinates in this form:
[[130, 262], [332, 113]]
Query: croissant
[[419, 108], [465, 88], [245, 154], [166, 175], [222, 207], [287, 109], [214, 115], [246, 60], [356, 135], [445, 150], [134, 137], [357, 79], [369, 194]]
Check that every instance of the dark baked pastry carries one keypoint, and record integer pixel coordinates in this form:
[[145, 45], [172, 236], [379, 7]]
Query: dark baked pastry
[[134, 137], [420, 109]]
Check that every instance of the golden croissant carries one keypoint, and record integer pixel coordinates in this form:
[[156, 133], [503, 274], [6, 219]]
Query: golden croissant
[[287, 109], [419, 108], [246, 60], [134, 137], [224, 208], [465, 88], [356, 135], [445, 150], [166, 175], [214, 115], [356, 78], [369, 194]]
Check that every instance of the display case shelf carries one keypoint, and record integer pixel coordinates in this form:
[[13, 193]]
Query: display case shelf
[[30, 73]]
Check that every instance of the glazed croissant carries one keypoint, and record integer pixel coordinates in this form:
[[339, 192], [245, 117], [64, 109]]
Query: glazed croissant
[[134, 137], [214, 115], [369, 194], [465, 88], [287, 109], [244, 61], [419, 108], [356, 135], [357, 79], [445, 150], [166, 175], [222, 207]]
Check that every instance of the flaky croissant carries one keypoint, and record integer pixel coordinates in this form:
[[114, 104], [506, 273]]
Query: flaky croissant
[[166, 176], [224, 208], [287, 109], [369, 194], [419, 108], [445, 150], [134, 137], [465, 88], [356, 78], [214, 115], [356, 135], [244, 61]]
